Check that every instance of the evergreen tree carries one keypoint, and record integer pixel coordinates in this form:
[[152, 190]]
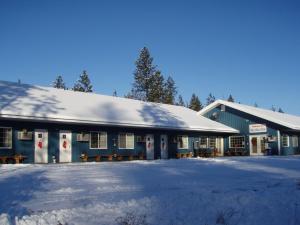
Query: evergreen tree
[[280, 110], [255, 105], [115, 94], [210, 99], [156, 87], [195, 103], [230, 98], [170, 91], [273, 108], [180, 101], [84, 83], [59, 83], [142, 75]]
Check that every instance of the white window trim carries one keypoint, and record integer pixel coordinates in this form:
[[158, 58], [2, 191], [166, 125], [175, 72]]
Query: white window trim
[[126, 134], [237, 137], [288, 141], [187, 137], [295, 141], [208, 142], [98, 132], [202, 138], [10, 138]]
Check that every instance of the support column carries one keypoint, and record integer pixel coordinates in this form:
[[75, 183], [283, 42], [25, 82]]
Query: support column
[[279, 142]]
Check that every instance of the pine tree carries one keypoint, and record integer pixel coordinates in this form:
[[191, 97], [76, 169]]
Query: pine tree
[[180, 101], [195, 103], [142, 75], [170, 91], [280, 110], [210, 99], [84, 83], [59, 83], [156, 87], [115, 94], [230, 98], [255, 105], [273, 108]]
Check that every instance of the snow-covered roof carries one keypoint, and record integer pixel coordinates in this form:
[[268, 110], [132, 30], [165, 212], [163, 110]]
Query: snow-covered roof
[[30, 102], [283, 119]]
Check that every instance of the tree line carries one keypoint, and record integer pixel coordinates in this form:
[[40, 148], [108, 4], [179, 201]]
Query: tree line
[[149, 85]]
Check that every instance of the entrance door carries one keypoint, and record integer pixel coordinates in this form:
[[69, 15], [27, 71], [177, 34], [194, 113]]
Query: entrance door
[[150, 146], [65, 146], [41, 146], [257, 144], [163, 146], [220, 146]]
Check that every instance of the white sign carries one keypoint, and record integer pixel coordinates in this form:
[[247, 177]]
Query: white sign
[[257, 128]]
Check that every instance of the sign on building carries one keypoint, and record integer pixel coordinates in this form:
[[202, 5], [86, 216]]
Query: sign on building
[[257, 128]]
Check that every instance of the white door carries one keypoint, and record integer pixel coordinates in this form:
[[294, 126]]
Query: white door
[[41, 146], [220, 146], [150, 146], [163, 146], [65, 146], [257, 144]]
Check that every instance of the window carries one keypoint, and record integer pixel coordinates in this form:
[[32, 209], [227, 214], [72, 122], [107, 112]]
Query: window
[[295, 141], [212, 142], [98, 140], [5, 137], [126, 141], [182, 142], [237, 142], [223, 108], [203, 142], [285, 141]]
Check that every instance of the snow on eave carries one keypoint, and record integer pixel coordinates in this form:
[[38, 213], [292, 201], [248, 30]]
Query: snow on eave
[[282, 119], [47, 104]]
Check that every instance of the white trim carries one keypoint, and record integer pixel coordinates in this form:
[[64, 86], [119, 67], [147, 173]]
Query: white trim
[[11, 142], [258, 144], [98, 132], [295, 141], [126, 134], [288, 141], [186, 136], [237, 137], [278, 142], [258, 112]]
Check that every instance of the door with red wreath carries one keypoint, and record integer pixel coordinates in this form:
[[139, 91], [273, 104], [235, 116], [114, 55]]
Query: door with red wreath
[[150, 146], [41, 146], [65, 146]]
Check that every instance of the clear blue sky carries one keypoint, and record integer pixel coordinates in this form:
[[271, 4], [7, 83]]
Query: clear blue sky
[[250, 49]]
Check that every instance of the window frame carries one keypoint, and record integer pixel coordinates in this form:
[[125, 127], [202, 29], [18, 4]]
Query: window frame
[[288, 141], [240, 136], [126, 135], [11, 131], [187, 142], [206, 141], [295, 141], [98, 143]]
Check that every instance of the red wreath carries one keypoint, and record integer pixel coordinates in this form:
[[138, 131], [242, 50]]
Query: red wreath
[[40, 144], [64, 144]]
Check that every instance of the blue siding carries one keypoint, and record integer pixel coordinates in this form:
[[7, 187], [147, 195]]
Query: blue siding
[[241, 121], [27, 147]]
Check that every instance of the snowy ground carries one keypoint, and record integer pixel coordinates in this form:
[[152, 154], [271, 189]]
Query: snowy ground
[[235, 190]]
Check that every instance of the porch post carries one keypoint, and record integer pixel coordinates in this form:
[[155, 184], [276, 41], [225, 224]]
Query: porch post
[[279, 142]]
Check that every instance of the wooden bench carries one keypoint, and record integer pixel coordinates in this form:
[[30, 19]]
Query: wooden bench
[[98, 158], [16, 158]]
